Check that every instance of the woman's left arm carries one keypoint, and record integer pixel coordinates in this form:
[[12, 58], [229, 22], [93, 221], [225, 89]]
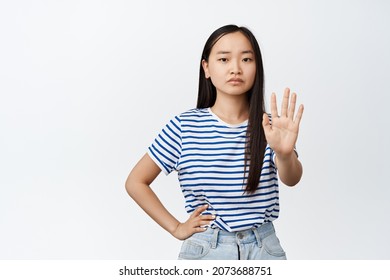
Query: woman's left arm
[[282, 136]]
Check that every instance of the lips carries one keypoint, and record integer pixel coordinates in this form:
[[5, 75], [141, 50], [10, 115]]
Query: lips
[[235, 80]]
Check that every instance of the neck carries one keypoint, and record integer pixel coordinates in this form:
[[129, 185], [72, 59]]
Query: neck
[[231, 109]]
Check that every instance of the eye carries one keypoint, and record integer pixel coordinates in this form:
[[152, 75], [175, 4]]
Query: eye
[[223, 59], [247, 59]]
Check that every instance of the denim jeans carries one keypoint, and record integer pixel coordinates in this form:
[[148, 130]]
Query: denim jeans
[[215, 244]]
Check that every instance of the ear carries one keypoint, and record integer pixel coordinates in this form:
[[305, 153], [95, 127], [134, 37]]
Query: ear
[[205, 66]]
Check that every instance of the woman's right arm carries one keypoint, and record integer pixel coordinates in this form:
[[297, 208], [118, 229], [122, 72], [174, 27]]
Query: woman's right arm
[[138, 187]]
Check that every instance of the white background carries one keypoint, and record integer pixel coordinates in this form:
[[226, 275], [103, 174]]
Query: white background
[[85, 86]]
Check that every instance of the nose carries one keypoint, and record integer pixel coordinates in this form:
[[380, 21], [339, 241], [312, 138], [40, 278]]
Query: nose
[[235, 68]]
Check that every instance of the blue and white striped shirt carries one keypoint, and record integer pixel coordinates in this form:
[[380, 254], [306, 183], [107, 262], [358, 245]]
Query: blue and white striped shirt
[[208, 155]]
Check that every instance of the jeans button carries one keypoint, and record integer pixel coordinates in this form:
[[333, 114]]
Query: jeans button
[[240, 235]]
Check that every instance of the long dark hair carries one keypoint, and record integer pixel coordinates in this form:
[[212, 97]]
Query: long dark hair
[[207, 94]]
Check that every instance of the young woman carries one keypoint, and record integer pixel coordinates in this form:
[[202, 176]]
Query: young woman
[[228, 154]]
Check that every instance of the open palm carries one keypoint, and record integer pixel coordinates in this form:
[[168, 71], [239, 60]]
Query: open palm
[[282, 133]]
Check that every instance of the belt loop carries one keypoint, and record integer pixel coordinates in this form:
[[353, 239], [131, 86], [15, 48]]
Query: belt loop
[[257, 235], [214, 238]]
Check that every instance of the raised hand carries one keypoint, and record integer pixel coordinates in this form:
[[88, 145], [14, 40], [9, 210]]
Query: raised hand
[[282, 134], [194, 223]]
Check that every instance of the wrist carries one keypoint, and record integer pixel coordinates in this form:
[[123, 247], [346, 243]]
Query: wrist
[[174, 228], [286, 158], [289, 169]]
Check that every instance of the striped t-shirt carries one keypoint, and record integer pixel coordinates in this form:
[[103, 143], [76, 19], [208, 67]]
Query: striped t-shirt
[[208, 155]]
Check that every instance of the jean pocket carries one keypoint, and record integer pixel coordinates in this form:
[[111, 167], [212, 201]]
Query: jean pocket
[[193, 249], [272, 246]]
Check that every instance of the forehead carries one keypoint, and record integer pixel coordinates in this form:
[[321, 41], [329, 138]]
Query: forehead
[[232, 42]]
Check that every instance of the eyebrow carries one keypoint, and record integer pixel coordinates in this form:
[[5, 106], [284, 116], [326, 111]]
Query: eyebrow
[[227, 52]]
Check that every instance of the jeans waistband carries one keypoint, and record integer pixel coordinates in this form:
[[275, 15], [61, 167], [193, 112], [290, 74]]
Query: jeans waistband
[[216, 235]]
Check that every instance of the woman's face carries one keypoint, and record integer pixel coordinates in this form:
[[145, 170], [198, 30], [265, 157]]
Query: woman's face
[[231, 65]]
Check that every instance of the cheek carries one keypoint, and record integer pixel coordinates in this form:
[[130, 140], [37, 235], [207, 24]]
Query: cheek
[[216, 70], [217, 74], [251, 74]]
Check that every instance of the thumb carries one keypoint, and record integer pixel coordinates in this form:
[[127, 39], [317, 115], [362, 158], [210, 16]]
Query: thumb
[[266, 123]]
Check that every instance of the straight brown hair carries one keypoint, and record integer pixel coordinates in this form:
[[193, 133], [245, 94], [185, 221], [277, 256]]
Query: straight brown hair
[[256, 142]]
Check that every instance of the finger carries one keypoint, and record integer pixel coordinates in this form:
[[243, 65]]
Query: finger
[[299, 115], [207, 217], [203, 223], [274, 107], [199, 229], [291, 109], [285, 100], [199, 210]]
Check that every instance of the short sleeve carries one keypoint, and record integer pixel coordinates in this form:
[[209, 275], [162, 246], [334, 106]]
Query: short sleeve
[[166, 148]]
